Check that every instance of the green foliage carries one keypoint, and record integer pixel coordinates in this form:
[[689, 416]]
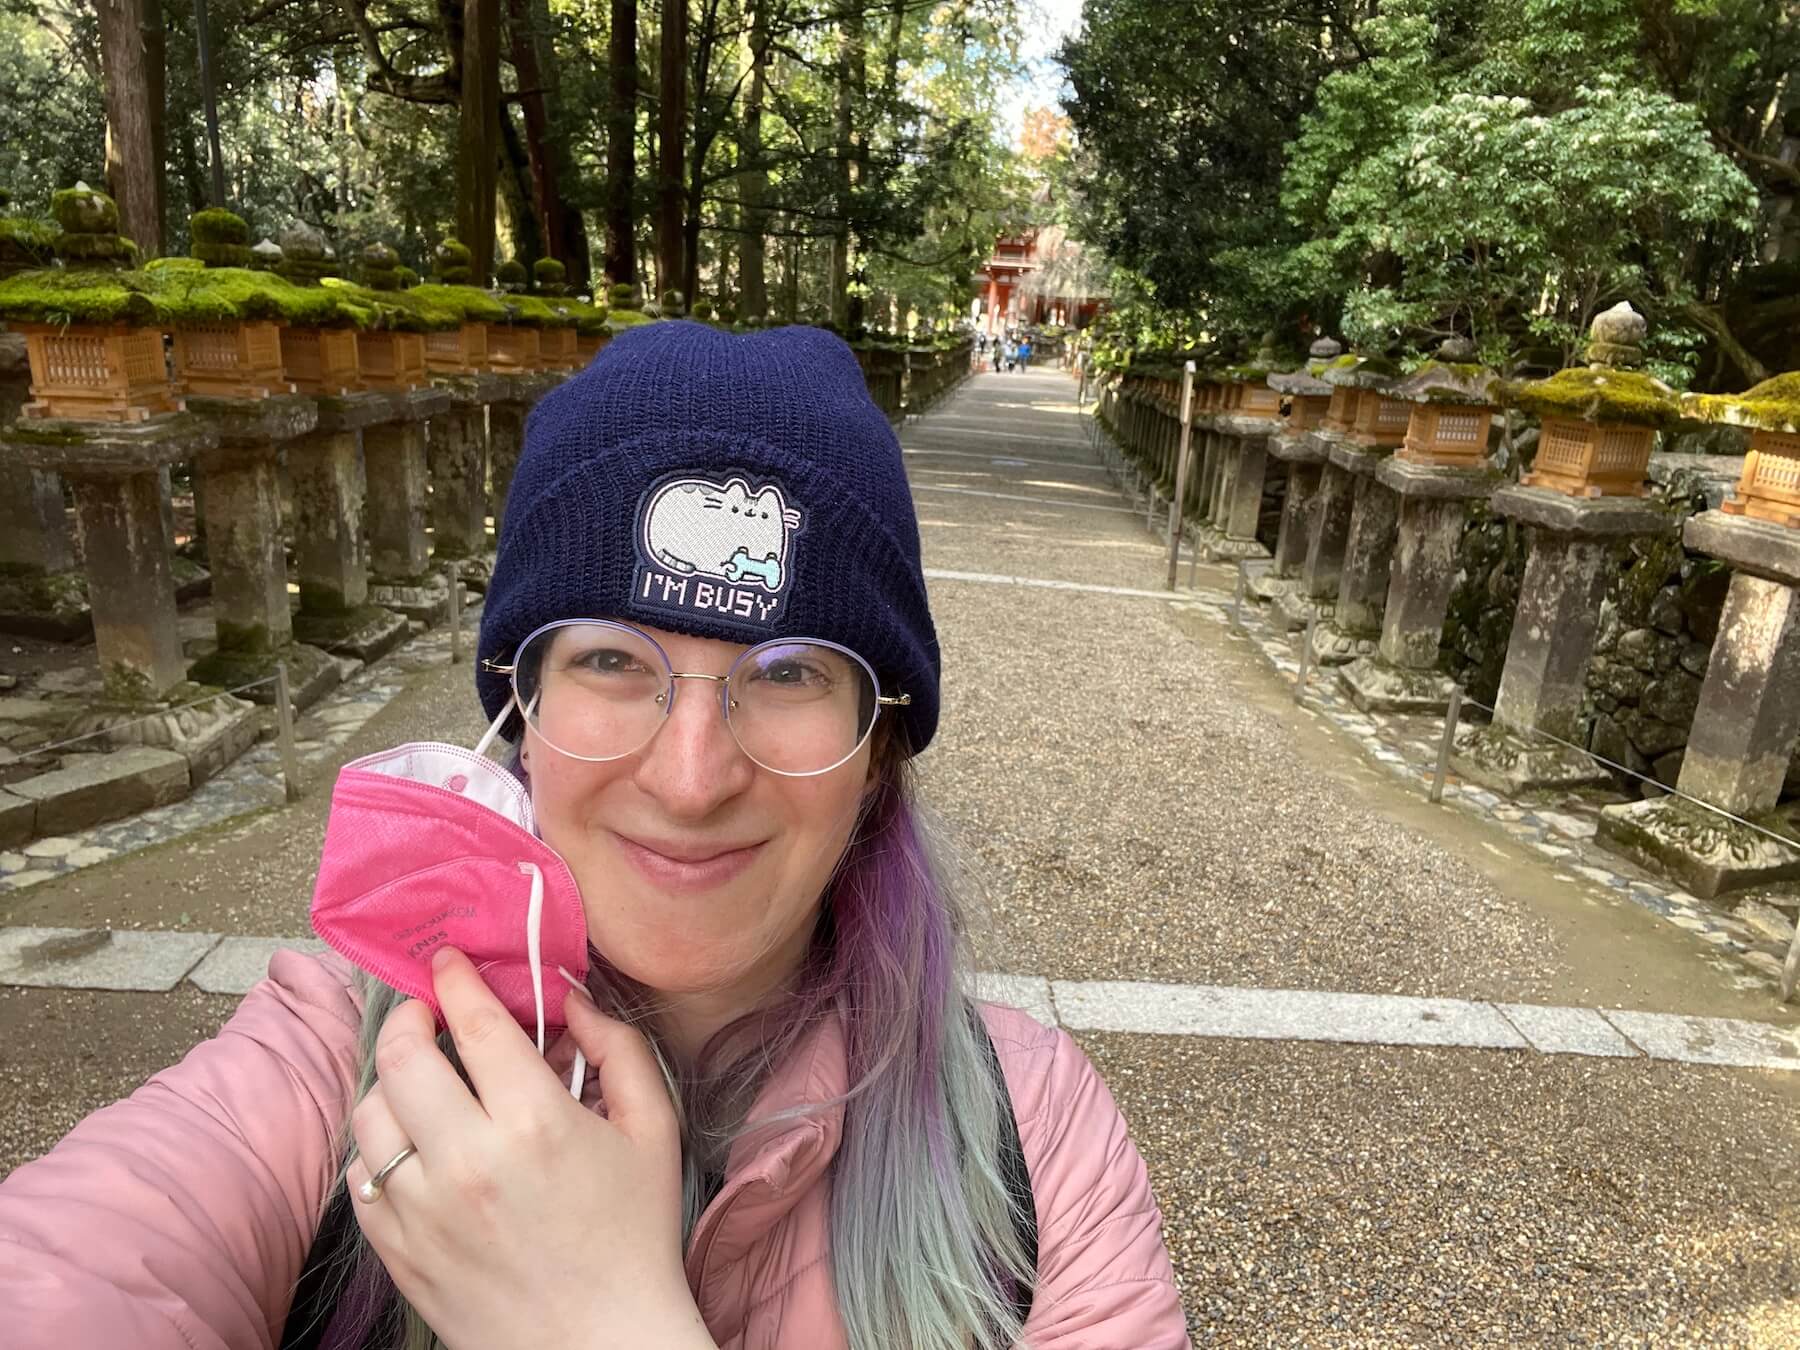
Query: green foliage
[[470, 304], [549, 275], [82, 296], [511, 275]]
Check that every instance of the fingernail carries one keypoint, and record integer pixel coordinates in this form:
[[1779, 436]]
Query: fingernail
[[575, 984], [441, 957]]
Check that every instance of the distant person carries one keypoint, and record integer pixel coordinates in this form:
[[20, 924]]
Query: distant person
[[709, 657], [997, 354], [1024, 353]]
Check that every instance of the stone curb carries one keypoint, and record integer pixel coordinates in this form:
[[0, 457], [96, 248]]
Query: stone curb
[[122, 959]]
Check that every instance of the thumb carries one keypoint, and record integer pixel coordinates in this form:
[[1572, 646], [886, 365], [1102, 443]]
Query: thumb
[[631, 1081]]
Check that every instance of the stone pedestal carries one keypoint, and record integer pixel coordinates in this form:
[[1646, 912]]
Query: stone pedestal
[[251, 615], [1745, 727], [1246, 464], [1544, 682], [1402, 676], [1322, 569], [113, 469], [456, 455], [395, 471], [506, 432], [331, 562], [1299, 506], [1354, 628]]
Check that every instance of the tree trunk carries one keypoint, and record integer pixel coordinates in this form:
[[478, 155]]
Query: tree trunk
[[540, 89], [753, 185], [849, 93], [478, 135], [516, 185], [621, 144], [708, 122], [672, 134], [131, 57]]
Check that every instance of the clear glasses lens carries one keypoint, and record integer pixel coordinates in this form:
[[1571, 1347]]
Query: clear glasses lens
[[599, 691], [799, 707]]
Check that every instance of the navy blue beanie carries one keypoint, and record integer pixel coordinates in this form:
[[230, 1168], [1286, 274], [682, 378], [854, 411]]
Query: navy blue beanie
[[741, 487]]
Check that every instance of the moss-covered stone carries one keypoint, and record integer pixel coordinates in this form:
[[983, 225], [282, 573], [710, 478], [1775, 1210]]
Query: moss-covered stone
[[470, 303], [216, 225], [380, 268], [620, 319], [673, 303], [406, 277], [305, 259], [82, 210], [402, 311], [550, 276], [510, 275], [1359, 372], [1595, 394], [1773, 405], [211, 294], [451, 263], [81, 296], [1459, 382]]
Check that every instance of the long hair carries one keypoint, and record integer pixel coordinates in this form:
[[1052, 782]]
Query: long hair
[[924, 1247]]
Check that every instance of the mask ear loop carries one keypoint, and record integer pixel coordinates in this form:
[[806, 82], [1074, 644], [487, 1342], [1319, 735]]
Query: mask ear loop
[[488, 737], [534, 921]]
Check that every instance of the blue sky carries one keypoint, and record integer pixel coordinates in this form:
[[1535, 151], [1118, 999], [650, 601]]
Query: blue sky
[[1047, 22]]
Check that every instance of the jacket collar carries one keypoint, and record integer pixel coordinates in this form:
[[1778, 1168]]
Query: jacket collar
[[775, 1162]]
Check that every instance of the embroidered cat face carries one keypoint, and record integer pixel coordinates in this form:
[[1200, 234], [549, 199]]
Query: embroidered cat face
[[723, 530]]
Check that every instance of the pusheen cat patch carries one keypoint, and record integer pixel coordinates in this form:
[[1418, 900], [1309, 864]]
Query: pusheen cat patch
[[715, 548]]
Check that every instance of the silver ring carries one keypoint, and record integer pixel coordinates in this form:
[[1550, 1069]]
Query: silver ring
[[370, 1191]]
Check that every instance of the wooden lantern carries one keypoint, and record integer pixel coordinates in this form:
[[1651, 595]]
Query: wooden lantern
[[457, 351], [1592, 459], [320, 361], [229, 359], [512, 348], [1258, 400], [556, 348], [388, 360], [1379, 422], [1769, 488], [98, 373], [1451, 434], [1306, 412], [1340, 412]]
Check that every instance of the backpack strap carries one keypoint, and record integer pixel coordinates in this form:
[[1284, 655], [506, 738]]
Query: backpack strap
[[1016, 1175]]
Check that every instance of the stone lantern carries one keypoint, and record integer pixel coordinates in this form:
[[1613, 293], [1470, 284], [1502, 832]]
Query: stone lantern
[[1451, 419], [95, 361], [1344, 581], [1598, 422], [1307, 397], [462, 350], [226, 356], [315, 360], [1428, 504], [1248, 414], [1747, 723], [391, 355]]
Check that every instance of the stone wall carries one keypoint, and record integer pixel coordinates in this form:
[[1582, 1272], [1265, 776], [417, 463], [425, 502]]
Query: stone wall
[[1490, 564]]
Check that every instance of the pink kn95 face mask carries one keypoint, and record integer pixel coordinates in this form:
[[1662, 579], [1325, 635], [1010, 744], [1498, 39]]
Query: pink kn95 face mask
[[433, 845]]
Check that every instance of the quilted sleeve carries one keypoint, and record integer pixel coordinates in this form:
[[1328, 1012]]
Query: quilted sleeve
[[1104, 1279], [179, 1218]]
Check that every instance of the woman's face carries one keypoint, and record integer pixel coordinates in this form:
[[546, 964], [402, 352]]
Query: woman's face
[[700, 871]]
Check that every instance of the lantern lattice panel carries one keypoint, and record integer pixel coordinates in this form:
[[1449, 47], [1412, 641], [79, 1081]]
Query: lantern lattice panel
[[1448, 433], [320, 361], [1592, 459], [1769, 488], [231, 360], [101, 374]]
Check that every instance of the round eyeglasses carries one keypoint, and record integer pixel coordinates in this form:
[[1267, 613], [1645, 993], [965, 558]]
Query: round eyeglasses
[[597, 690]]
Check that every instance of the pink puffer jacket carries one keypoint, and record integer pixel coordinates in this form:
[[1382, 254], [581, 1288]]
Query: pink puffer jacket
[[181, 1217]]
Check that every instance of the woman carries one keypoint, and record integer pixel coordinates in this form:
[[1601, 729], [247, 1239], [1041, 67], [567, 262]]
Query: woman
[[707, 637]]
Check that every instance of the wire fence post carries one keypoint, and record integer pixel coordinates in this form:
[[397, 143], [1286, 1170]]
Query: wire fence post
[[455, 580], [284, 734], [1306, 658], [1451, 714]]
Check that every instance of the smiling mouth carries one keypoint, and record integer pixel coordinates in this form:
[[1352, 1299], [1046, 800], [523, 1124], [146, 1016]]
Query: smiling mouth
[[688, 867]]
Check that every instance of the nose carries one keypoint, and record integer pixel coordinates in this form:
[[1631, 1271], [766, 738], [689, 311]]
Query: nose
[[693, 764]]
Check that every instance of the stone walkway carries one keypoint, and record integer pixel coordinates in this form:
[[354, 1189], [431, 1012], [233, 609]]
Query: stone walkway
[[1401, 1075]]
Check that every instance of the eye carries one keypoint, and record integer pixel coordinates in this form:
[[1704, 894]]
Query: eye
[[608, 661], [791, 672]]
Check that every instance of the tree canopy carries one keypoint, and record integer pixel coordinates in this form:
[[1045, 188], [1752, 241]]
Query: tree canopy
[[1419, 169]]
